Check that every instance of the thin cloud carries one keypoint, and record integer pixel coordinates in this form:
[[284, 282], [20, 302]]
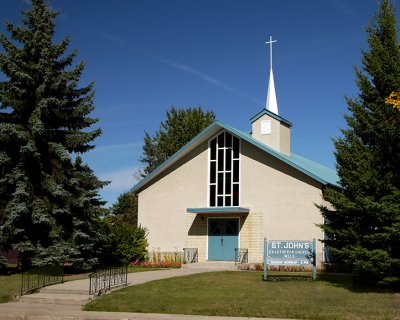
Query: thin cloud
[[344, 7], [113, 38], [179, 66], [121, 180], [205, 77], [119, 146], [107, 156]]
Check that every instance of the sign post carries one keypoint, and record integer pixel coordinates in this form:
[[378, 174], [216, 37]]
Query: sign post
[[314, 254], [265, 259]]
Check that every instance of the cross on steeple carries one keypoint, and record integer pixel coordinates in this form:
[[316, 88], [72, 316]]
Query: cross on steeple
[[270, 42], [271, 103]]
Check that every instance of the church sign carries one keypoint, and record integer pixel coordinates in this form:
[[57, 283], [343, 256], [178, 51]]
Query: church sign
[[289, 252]]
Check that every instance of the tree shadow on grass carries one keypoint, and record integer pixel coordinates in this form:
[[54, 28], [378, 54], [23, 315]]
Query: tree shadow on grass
[[345, 280], [289, 277]]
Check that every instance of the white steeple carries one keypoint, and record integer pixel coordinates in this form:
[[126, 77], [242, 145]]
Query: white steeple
[[271, 103]]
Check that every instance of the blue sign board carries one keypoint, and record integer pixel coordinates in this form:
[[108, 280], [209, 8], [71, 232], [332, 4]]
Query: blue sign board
[[289, 252]]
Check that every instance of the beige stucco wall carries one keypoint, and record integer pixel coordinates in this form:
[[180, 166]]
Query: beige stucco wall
[[162, 206], [283, 196], [272, 140], [279, 139], [284, 138], [281, 201]]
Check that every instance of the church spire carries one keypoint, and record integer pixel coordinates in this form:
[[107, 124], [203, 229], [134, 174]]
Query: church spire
[[271, 103]]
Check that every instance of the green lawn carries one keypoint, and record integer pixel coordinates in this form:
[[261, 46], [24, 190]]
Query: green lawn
[[10, 286], [245, 294]]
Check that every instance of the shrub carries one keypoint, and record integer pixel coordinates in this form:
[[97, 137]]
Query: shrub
[[130, 242]]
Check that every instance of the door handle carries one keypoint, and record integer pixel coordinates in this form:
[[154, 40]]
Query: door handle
[[222, 241]]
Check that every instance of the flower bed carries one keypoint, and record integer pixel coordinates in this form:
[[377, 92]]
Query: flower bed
[[260, 267], [156, 264]]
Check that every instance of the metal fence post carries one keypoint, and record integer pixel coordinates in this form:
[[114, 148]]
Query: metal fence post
[[109, 279], [22, 285], [236, 256]]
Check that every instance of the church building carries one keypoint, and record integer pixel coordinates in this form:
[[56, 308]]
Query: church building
[[226, 190]]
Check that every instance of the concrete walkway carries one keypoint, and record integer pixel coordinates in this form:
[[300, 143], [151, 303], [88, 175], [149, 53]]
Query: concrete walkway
[[64, 301]]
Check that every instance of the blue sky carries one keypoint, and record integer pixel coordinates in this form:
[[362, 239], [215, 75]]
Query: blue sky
[[146, 56]]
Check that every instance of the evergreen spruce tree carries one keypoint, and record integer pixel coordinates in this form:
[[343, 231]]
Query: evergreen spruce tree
[[49, 201], [179, 128], [363, 221]]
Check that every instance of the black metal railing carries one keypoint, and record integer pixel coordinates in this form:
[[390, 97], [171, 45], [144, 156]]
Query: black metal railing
[[103, 280], [40, 277], [241, 255], [190, 255]]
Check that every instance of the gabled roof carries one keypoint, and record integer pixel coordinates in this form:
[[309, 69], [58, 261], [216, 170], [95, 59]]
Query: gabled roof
[[322, 174], [272, 115]]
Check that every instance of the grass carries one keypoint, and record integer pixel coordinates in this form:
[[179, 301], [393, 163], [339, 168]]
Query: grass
[[10, 286], [244, 294]]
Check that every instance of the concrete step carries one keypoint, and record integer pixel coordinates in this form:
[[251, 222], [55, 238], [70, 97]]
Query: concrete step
[[51, 298], [60, 290]]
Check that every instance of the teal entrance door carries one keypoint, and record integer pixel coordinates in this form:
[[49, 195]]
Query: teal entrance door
[[223, 235]]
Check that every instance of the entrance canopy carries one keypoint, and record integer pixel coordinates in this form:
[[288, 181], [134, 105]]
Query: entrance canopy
[[218, 210]]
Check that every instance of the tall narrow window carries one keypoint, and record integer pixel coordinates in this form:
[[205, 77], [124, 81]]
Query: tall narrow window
[[224, 170]]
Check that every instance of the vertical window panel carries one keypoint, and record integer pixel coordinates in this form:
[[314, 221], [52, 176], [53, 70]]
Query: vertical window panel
[[220, 159], [220, 201], [235, 194], [235, 148], [220, 183], [228, 183], [221, 140], [212, 196], [213, 171], [228, 160], [213, 149], [235, 170], [228, 140], [228, 201]]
